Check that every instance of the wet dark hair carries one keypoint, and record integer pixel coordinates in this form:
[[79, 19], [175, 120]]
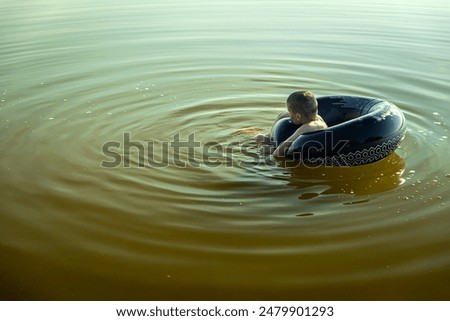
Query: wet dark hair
[[304, 103]]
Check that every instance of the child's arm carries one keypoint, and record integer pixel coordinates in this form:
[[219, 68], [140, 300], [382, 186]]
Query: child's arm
[[265, 139], [284, 146], [283, 115]]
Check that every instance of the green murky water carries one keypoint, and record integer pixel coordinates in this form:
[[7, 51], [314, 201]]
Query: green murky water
[[75, 76]]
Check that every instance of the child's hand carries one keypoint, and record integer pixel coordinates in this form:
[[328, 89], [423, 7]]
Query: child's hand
[[264, 139], [259, 138]]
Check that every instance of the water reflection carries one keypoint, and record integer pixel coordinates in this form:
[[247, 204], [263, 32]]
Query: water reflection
[[368, 179]]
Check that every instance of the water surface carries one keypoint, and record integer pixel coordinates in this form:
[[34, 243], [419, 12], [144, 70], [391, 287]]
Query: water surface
[[218, 222]]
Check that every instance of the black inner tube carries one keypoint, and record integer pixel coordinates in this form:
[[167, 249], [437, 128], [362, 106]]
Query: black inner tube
[[361, 130]]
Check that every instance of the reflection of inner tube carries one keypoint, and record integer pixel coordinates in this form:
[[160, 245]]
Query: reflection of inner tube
[[370, 179], [360, 131]]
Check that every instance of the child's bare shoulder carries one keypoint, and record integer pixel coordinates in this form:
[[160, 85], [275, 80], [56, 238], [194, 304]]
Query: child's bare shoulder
[[314, 125]]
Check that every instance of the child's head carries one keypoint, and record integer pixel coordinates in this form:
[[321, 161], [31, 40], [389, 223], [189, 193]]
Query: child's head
[[302, 105]]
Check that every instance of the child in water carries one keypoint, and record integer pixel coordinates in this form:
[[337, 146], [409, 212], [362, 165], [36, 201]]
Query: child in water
[[302, 108]]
